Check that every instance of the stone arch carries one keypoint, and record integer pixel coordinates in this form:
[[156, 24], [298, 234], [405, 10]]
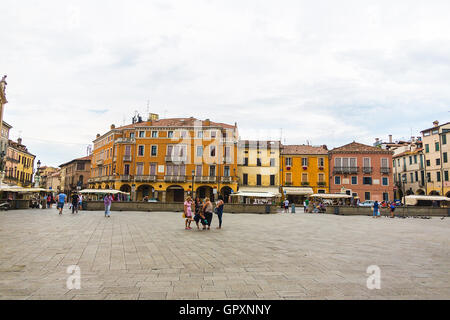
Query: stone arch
[[144, 190], [175, 193], [225, 192], [434, 193], [125, 188], [205, 192], [409, 192], [420, 192]]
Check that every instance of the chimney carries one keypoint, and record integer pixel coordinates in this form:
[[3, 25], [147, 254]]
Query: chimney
[[98, 135], [113, 126], [19, 140], [390, 138], [436, 123], [377, 140]]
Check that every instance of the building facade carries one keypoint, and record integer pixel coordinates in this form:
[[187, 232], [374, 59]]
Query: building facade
[[436, 152], [362, 171], [53, 181], [167, 159], [76, 174], [258, 166], [304, 171], [45, 173], [4, 137], [19, 164]]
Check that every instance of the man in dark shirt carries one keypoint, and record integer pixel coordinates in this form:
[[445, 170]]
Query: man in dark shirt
[[74, 203]]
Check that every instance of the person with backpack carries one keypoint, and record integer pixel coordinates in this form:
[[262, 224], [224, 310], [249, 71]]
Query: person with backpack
[[74, 203], [376, 209], [219, 211]]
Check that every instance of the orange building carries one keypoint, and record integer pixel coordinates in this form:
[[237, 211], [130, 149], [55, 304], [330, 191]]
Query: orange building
[[165, 159]]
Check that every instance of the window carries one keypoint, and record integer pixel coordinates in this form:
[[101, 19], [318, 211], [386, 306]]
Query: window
[[126, 169], [366, 195], [321, 177], [438, 176], [393, 163], [131, 135], [245, 161], [199, 151], [140, 151], [80, 166], [154, 152], [444, 139], [226, 171], [436, 146], [354, 180], [444, 155], [304, 177], [169, 134], [367, 180], [183, 134], [438, 162], [154, 134], [200, 134], [258, 162], [385, 196], [213, 134], [272, 179], [337, 180], [212, 151], [415, 158], [272, 162], [304, 162], [411, 177], [426, 134], [245, 179], [446, 175], [427, 148], [288, 178], [141, 134], [435, 131], [417, 176], [288, 162], [428, 163], [153, 169], [212, 171], [384, 163], [258, 179], [385, 181], [321, 162], [139, 169], [410, 160], [366, 162], [338, 162], [428, 177]]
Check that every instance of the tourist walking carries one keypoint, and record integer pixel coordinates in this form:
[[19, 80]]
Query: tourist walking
[[376, 210], [188, 213], [49, 201], [208, 212], [80, 201], [61, 198], [107, 201], [219, 211], [74, 203], [306, 205], [286, 206], [392, 207]]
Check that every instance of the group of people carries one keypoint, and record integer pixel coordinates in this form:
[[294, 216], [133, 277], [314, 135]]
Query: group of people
[[61, 199], [202, 212], [377, 208]]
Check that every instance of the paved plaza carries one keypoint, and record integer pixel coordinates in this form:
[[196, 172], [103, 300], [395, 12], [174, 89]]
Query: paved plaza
[[149, 255]]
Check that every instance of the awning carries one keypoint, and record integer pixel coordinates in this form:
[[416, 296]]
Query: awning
[[254, 194], [272, 190], [102, 191], [298, 191], [412, 200], [330, 195]]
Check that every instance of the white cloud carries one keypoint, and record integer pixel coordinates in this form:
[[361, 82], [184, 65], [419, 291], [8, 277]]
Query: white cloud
[[325, 71]]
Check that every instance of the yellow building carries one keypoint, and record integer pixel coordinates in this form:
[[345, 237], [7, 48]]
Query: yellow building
[[166, 159], [437, 164], [19, 164], [304, 171], [258, 169]]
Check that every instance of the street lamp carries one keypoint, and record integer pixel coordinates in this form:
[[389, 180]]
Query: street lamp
[[37, 177], [193, 175], [404, 189]]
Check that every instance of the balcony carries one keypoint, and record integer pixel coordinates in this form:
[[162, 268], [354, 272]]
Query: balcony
[[226, 179], [99, 162], [125, 140], [305, 183], [345, 170], [367, 169], [321, 184], [206, 179], [175, 178], [385, 170], [125, 177], [127, 158], [173, 158], [12, 159], [149, 178]]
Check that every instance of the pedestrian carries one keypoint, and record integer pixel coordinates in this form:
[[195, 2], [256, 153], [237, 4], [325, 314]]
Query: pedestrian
[[306, 204], [49, 201], [107, 201], [199, 217], [392, 207], [219, 211], [286, 206], [61, 198], [188, 213], [376, 208], [208, 212], [80, 201], [74, 203]]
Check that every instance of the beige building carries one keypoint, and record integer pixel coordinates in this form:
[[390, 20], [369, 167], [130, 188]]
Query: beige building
[[409, 169], [53, 181], [258, 167], [436, 152], [45, 173]]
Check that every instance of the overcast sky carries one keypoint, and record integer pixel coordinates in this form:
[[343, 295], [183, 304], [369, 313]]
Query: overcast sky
[[327, 72]]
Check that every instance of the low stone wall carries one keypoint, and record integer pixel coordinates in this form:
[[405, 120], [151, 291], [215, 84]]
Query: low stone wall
[[175, 207], [410, 211]]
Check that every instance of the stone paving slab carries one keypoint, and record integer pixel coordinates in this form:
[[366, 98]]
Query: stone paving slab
[[149, 255]]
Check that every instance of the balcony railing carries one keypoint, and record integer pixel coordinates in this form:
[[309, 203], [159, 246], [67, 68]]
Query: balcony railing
[[126, 140], [146, 178], [175, 178], [226, 179], [367, 169], [125, 177], [127, 157], [385, 170], [173, 158], [99, 162], [345, 170], [205, 179]]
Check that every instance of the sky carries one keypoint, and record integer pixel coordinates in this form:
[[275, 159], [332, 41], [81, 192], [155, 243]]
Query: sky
[[317, 72]]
